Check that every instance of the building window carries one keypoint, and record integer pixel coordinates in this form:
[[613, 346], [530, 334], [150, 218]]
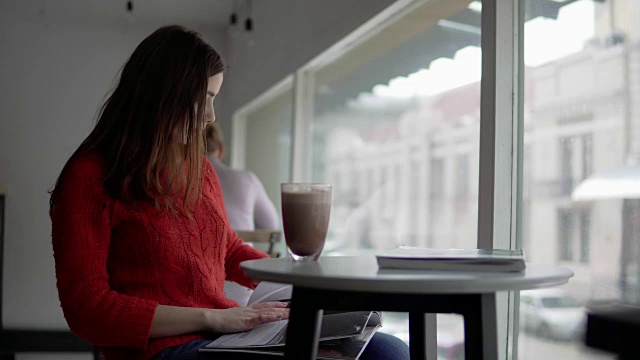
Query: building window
[[437, 178], [462, 177], [574, 234], [575, 150], [585, 240], [587, 156], [565, 234], [566, 165]]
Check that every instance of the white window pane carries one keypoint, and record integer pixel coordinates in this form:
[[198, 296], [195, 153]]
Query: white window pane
[[395, 128], [582, 123]]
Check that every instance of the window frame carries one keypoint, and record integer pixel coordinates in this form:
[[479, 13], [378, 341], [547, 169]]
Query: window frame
[[501, 147]]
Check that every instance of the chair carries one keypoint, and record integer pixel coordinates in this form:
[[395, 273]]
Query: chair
[[262, 237], [43, 341]]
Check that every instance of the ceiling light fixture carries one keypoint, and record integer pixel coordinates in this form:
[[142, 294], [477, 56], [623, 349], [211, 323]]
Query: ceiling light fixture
[[234, 14], [248, 24]]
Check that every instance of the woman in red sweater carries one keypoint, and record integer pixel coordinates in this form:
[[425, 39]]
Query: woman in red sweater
[[141, 239]]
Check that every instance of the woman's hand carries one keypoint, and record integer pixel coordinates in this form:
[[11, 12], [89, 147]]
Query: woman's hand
[[246, 317]]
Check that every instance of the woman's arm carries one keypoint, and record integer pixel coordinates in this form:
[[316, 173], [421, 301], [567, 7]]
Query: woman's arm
[[174, 320], [81, 233]]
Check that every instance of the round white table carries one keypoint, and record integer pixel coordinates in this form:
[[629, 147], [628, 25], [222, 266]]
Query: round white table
[[356, 283]]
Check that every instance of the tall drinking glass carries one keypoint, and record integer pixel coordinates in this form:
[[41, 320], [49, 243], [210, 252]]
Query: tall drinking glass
[[305, 213]]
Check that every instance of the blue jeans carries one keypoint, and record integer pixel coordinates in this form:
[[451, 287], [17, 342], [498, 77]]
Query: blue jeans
[[381, 347]]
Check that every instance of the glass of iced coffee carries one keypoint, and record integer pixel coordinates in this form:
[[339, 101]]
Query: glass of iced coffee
[[305, 214]]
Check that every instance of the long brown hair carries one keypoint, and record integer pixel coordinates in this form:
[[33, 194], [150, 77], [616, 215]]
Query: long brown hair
[[160, 98]]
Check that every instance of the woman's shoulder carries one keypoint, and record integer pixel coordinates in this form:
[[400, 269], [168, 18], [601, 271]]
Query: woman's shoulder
[[81, 177], [89, 165]]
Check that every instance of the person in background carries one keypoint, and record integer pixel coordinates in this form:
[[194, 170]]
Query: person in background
[[247, 203], [141, 240], [248, 206]]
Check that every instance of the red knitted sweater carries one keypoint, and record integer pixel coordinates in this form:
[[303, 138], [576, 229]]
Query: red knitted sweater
[[116, 263]]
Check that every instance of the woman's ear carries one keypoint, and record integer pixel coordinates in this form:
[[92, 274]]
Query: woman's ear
[[220, 153]]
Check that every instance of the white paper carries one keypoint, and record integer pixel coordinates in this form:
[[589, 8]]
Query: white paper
[[263, 334], [270, 291]]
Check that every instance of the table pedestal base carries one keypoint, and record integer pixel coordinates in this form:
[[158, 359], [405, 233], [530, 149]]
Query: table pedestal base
[[478, 311]]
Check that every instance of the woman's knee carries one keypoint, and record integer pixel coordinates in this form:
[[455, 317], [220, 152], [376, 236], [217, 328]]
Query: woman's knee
[[385, 347]]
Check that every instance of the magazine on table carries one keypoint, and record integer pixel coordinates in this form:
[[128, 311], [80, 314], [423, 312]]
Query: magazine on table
[[489, 260], [343, 335]]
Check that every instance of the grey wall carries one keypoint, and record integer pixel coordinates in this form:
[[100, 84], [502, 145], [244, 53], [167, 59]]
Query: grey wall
[[288, 33]]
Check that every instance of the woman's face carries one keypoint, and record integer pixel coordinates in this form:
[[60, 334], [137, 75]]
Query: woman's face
[[213, 88]]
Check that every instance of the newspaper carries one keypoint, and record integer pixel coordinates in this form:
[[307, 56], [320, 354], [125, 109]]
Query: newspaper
[[343, 335]]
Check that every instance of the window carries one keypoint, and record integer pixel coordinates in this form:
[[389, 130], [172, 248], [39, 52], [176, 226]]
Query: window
[[585, 237], [392, 119], [437, 178], [581, 98], [574, 234], [587, 156], [462, 176], [565, 237], [405, 99], [576, 161], [630, 271], [566, 166]]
